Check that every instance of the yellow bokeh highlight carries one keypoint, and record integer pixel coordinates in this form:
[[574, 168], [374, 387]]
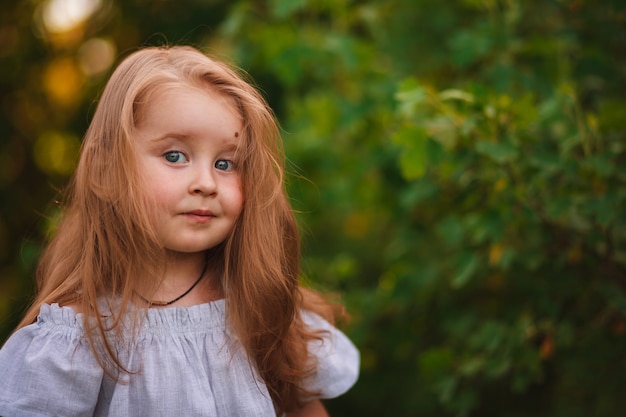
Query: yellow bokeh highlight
[[66, 40], [56, 153], [62, 81], [504, 101], [500, 185], [495, 254]]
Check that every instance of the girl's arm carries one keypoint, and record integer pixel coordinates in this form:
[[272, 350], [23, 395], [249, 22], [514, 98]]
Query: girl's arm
[[314, 408]]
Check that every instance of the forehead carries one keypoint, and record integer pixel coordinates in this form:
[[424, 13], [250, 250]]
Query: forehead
[[188, 111]]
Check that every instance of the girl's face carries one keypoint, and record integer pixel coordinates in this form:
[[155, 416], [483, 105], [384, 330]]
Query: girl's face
[[187, 140]]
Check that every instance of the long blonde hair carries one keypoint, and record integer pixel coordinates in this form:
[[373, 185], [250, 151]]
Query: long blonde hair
[[106, 240]]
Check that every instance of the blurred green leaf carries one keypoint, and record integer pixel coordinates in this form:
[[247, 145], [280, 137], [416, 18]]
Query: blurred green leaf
[[467, 265], [500, 152], [414, 157], [474, 145]]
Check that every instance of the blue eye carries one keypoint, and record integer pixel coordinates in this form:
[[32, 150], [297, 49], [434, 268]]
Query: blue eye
[[175, 157], [224, 165]]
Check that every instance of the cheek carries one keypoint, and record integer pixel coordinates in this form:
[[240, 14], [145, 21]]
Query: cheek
[[156, 183], [233, 198], [237, 199], [155, 191]]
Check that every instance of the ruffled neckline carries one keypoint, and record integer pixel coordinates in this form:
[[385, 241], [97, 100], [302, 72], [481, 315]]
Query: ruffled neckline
[[172, 319]]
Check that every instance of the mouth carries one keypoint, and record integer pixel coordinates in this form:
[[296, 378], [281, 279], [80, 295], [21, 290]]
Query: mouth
[[199, 216]]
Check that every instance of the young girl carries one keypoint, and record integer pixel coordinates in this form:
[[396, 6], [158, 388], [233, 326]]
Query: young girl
[[171, 286]]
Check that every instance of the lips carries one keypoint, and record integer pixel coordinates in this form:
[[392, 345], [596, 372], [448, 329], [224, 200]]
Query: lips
[[199, 216]]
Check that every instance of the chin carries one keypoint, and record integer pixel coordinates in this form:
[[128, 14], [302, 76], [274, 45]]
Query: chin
[[191, 249]]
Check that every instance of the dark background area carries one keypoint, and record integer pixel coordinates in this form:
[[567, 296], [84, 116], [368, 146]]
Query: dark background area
[[457, 168]]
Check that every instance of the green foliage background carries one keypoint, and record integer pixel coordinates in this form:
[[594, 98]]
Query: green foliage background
[[456, 166]]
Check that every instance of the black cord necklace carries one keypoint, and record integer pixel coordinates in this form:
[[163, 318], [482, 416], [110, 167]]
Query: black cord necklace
[[166, 303]]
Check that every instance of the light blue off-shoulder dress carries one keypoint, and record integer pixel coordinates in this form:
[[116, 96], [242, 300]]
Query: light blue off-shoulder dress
[[186, 360]]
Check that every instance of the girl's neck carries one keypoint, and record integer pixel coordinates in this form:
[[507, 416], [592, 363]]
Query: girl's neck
[[180, 267], [182, 270]]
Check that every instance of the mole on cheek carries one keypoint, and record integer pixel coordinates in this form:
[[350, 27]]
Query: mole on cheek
[[236, 134]]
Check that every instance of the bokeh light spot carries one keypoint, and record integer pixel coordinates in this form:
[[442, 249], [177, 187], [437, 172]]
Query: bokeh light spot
[[65, 15], [62, 81], [56, 153], [96, 56]]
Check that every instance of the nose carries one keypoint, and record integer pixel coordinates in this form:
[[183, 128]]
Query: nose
[[203, 181]]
